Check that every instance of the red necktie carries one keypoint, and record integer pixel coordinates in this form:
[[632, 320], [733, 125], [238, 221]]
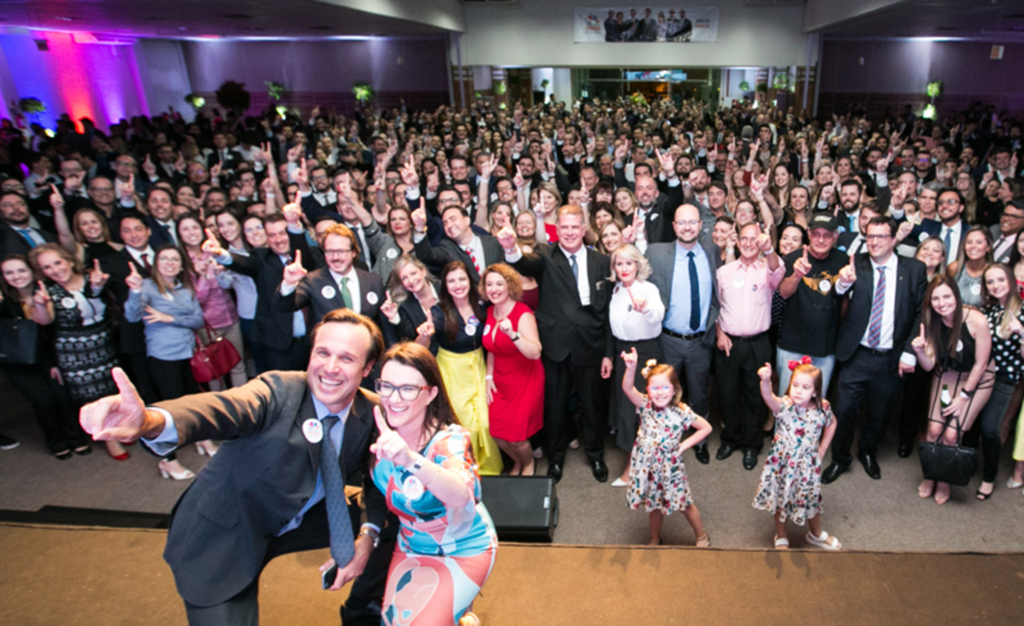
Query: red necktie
[[472, 257]]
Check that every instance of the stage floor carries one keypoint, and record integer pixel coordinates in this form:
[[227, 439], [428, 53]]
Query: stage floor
[[103, 576]]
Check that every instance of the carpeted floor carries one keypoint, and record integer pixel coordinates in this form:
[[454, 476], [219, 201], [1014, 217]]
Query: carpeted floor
[[94, 577], [865, 514]]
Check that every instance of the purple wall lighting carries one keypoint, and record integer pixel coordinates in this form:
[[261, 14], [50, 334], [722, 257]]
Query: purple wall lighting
[[76, 75]]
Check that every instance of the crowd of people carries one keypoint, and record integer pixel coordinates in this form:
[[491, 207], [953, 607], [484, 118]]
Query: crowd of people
[[757, 259]]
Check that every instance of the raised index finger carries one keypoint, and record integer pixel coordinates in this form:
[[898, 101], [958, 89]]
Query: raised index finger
[[382, 424], [209, 235]]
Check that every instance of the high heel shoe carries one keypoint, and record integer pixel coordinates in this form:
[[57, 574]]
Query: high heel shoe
[[208, 451], [185, 474]]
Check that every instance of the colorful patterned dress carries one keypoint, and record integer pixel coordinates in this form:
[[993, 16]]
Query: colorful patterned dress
[[443, 555], [791, 480], [657, 476]]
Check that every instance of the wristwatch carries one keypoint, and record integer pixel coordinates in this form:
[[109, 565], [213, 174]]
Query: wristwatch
[[516, 336], [371, 533]]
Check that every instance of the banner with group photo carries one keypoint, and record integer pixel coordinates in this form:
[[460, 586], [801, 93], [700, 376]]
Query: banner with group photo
[[646, 24]]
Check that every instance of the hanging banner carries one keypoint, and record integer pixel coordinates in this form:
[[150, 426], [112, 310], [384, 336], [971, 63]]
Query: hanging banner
[[646, 24]]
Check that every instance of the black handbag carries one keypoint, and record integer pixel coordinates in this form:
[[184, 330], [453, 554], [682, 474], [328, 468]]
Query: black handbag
[[953, 464], [19, 341]]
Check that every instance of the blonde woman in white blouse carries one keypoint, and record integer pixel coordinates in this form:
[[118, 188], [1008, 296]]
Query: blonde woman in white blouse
[[635, 316]]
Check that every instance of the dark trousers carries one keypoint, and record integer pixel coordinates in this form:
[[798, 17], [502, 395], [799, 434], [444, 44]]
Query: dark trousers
[[137, 368], [865, 375], [560, 378], [312, 534], [172, 379], [991, 421], [916, 393], [54, 409], [692, 362], [294, 357], [739, 390]]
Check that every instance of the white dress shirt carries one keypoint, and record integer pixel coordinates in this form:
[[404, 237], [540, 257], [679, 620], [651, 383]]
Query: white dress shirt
[[139, 254], [582, 278], [353, 287], [889, 310], [954, 238]]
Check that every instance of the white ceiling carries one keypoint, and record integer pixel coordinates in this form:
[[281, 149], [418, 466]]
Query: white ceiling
[[196, 18]]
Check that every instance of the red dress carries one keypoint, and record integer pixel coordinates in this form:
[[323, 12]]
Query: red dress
[[517, 408]]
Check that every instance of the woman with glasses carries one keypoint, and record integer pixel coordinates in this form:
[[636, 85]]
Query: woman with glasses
[[426, 470], [515, 375], [167, 303]]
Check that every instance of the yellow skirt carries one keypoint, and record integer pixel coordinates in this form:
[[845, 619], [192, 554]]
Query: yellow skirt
[[1018, 444], [463, 376]]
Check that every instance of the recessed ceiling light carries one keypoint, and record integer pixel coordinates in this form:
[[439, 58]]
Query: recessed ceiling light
[[184, 28]]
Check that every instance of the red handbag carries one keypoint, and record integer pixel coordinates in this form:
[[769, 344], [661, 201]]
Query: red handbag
[[213, 360]]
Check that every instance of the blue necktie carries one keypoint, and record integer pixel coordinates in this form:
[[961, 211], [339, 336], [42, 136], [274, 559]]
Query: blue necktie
[[575, 267], [694, 294], [27, 234], [338, 520], [949, 243]]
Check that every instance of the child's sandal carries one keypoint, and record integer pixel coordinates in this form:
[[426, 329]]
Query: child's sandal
[[824, 541], [781, 543], [704, 541]]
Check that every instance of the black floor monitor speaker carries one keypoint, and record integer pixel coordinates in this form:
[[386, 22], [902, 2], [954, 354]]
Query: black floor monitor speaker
[[523, 508]]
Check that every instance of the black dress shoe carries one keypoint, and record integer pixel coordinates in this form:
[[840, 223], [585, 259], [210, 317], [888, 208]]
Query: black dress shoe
[[600, 471], [870, 464], [701, 452], [833, 472], [905, 450], [724, 452], [555, 470], [749, 459]]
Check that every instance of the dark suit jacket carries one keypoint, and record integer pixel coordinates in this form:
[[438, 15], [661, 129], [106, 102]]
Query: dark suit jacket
[[273, 326], [658, 221], [567, 328], [232, 161], [662, 257], [911, 278], [259, 481], [11, 241], [448, 251], [133, 334], [411, 316], [310, 292], [158, 235]]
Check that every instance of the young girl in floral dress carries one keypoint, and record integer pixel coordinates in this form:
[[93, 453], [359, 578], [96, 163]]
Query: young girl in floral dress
[[657, 476], [791, 481]]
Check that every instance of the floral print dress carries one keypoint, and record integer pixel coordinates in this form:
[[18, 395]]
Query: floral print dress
[[791, 480], [657, 476]]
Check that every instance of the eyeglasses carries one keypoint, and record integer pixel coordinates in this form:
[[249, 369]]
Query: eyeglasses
[[949, 201], [405, 392], [687, 223], [337, 253], [877, 237]]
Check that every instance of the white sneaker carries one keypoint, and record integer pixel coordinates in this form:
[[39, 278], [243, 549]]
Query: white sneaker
[[618, 482]]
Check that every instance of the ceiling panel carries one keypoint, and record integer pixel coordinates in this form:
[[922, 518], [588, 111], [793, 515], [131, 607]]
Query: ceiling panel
[[195, 18]]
